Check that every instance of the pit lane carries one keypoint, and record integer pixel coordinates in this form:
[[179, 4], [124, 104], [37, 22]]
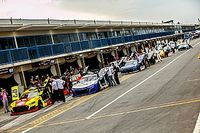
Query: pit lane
[[167, 86]]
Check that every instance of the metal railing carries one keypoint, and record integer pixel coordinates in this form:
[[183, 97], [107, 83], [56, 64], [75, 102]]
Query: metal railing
[[11, 56], [74, 22]]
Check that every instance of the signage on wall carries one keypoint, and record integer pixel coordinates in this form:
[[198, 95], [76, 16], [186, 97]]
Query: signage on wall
[[70, 57], [44, 63], [7, 71], [47, 63]]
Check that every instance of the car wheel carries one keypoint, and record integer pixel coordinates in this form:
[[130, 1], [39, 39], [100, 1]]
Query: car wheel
[[139, 68], [40, 106]]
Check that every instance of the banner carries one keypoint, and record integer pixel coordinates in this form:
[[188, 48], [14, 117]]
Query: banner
[[15, 93]]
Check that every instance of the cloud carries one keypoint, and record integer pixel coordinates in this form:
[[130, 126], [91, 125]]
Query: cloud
[[186, 11]]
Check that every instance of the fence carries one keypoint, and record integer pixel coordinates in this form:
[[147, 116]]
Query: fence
[[28, 53]]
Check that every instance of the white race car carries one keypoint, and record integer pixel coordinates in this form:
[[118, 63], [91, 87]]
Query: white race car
[[88, 84], [183, 46]]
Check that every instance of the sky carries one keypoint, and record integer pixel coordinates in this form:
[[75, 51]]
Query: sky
[[183, 11]]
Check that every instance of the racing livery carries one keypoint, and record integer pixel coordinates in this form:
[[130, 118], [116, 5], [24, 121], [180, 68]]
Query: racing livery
[[183, 46], [134, 65], [88, 84], [31, 100], [130, 66]]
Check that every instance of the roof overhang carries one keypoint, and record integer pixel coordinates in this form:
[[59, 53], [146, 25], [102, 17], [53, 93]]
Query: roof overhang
[[40, 27]]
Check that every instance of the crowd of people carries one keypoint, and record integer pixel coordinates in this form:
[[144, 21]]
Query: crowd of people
[[110, 75], [57, 86]]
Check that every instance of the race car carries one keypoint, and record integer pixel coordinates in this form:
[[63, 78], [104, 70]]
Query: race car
[[183, 46], [88, 84], [31, 100], [131, 66]]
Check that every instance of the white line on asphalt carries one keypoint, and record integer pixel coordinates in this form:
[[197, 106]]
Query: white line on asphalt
[[126, 91], [191, 80], [19, 120], [138, 84], [197, 126], [26, 130]]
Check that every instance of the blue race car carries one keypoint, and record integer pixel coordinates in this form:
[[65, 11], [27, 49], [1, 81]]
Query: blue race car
[[131, 66], [88, 84]]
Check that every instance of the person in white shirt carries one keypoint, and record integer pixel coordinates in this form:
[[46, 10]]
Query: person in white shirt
[[55, 91], [157, 54], [172, 45], [60, 85], [111, 76]]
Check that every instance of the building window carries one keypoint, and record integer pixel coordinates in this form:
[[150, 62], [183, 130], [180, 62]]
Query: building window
[[7, 43], [82, 36], [91, 35], [28, 41], [73, 37]]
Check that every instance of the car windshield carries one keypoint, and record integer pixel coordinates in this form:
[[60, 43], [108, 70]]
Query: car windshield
[[88, 78], [30, 94], [133, 62]]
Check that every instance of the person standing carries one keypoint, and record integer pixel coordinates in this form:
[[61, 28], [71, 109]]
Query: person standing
[[110, 76], [166, 50], [67, 82], [60, 84], [172, 45], [54, 90], [157, 54], [5, 100], [116, 70]]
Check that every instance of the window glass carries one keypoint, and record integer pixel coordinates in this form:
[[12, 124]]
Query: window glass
[[7, 43]]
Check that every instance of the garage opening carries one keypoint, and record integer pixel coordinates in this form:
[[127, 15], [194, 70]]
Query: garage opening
[[108, 58], [7, 83], [93, 63], [120, 53], [67, 65], [37, 72]]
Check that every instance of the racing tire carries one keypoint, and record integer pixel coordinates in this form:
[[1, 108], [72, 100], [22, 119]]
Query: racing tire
[[139, 68], [40, 106]]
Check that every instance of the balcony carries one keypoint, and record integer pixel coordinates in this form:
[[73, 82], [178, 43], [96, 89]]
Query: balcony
[[11, 56]]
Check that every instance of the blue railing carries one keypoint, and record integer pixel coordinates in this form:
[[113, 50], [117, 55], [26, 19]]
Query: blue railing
[[187, 30], [20, 54], [5, 57], [28, 53]]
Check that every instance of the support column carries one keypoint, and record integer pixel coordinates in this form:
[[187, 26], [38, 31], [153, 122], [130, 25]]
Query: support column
[[125, 51], [18, 77], [133, 48], [55, 69], [81, 61], [101, 59], [57, 66], [51, 34], [77, 33], [22, 78], [115, 54], [15, 40]]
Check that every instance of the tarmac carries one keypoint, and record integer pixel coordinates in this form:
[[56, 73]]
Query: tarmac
[[6, 118]]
